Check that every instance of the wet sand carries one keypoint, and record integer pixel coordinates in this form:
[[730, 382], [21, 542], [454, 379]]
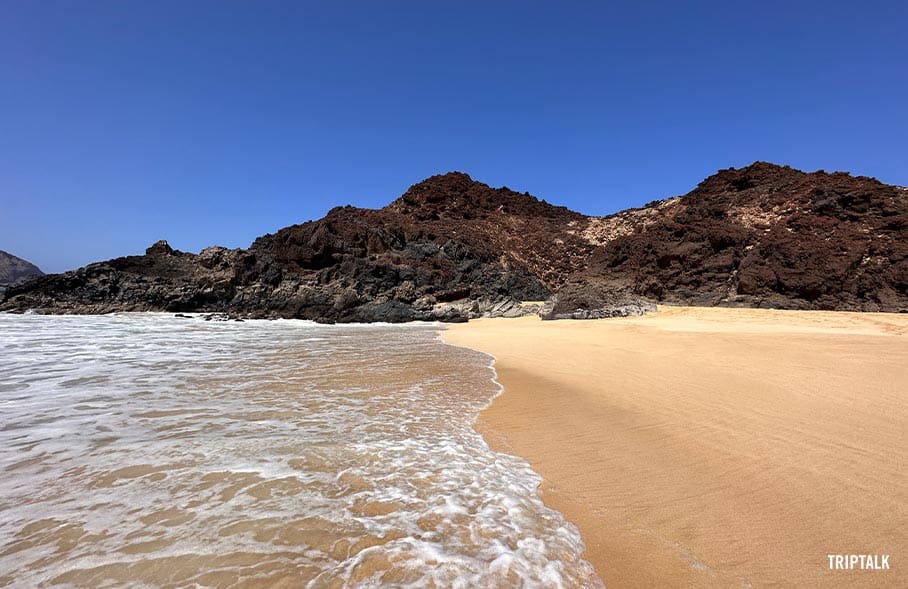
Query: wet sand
[[713, 447]]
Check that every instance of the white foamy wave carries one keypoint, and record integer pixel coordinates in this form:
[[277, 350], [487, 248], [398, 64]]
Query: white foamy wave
[[149, 450]]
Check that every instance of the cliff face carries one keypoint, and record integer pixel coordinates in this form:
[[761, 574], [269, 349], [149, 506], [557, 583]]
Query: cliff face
[[452, 248], [14, 270]]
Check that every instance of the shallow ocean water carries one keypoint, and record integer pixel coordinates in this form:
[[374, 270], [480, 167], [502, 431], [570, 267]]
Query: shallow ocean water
[[149, 450]]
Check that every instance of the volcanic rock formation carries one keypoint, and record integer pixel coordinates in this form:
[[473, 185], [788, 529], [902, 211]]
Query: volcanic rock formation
[[763, 236], [451, 248]]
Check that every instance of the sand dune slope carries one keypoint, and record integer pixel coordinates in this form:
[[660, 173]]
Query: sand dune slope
[[713, 447]]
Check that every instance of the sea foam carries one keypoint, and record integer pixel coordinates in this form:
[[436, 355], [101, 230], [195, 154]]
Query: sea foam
[[155, 451]]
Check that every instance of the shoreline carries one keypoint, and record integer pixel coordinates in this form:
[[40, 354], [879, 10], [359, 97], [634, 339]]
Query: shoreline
[[711, 447]]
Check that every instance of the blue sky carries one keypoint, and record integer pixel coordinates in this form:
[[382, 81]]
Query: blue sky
[[202, 123]]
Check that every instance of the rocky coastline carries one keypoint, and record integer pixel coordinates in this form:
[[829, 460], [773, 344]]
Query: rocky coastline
[[454, 249]]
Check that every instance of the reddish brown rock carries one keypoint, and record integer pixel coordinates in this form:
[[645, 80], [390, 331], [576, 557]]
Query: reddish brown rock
[[767, 236]]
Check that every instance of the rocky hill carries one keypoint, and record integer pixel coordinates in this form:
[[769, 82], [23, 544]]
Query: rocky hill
[[14, 270], [762, 236], [451, 248]]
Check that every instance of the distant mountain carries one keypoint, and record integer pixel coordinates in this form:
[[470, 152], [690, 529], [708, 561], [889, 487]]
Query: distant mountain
[[14, 270], [452, 248]]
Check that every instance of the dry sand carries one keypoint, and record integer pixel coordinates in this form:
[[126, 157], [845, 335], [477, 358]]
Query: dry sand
[[713, 447]]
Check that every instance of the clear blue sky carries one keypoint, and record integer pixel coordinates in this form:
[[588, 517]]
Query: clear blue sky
[[124, 122]]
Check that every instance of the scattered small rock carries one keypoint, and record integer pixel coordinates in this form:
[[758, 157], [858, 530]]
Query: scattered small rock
[[216, 317]]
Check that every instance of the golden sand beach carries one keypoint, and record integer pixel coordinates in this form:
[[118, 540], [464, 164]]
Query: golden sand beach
[[706, 447]]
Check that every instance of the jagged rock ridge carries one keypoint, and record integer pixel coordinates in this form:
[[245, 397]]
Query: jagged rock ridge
[[451, 248]]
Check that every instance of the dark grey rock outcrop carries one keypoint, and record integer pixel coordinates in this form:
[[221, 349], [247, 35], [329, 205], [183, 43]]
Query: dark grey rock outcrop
[[594, 299], [15, 270]]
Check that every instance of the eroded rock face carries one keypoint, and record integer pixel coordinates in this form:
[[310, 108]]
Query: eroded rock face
[[592, 298], [451, 248]]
